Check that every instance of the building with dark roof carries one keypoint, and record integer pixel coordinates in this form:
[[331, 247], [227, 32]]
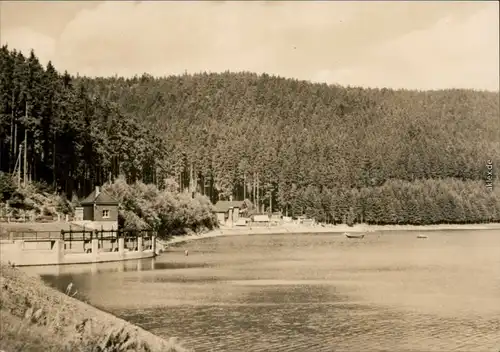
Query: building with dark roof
[[100, 210], [228, 212]]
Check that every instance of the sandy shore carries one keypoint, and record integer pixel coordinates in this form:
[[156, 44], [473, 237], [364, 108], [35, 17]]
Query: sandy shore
[[337, 229]]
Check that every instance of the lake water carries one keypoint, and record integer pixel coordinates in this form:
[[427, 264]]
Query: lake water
[[387, 292]]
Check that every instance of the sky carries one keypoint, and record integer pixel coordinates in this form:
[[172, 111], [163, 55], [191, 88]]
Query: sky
[[396, 44]]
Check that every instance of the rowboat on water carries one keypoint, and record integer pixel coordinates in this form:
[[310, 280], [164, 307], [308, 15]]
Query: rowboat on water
[[351, 235], [422, 236]]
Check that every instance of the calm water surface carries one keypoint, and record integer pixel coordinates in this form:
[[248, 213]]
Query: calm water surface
[[387, 292]]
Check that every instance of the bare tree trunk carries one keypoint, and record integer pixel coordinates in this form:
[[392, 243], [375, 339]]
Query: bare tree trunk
[[54, 161], [258, 193], [18, 164], [25, 167], [244, 186], [271, 202], [254, 194], [32, 161], [191, 180], [15, 141], [12, 154]]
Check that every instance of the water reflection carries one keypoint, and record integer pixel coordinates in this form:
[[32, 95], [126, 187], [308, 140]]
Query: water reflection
[[94, 268], [110, 267], [388, 292]]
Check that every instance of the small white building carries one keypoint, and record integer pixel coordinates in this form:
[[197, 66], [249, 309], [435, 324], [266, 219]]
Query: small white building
[[260, 220]]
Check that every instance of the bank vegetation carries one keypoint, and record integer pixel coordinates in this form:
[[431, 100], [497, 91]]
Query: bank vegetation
[[35, 317]]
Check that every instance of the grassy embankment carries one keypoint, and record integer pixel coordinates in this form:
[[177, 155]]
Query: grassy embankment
[[33, 201], [35, 317]]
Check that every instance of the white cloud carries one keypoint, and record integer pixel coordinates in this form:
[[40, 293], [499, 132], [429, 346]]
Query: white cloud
[[449, 54], [355, 43], [166, 38]]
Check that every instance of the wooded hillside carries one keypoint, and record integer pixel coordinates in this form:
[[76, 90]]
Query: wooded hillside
[[335, 153]]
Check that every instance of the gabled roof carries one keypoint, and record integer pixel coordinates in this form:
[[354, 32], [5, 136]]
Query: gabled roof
[[224, 205], [102, 198]]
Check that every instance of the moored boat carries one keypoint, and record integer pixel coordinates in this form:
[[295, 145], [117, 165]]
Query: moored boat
[[422, 236], [352, 235]]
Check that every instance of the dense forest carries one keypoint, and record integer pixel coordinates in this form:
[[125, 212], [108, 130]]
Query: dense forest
[[339, 154]]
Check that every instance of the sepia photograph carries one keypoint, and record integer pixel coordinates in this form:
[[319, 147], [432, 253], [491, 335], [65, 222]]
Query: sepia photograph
[[249, 176]]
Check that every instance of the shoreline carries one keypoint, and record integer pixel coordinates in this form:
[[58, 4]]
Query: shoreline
[[33, 312], [333, 229], [60, 310]]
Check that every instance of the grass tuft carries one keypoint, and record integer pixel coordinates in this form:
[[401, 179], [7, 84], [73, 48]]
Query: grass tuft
[[35, 317], [68, 290]]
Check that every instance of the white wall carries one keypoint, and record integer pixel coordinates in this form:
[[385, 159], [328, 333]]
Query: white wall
[[97, 225]]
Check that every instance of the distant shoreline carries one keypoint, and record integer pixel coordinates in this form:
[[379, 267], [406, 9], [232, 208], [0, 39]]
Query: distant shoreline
[[337, 229]]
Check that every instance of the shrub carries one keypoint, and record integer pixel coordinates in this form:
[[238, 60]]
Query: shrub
[[165, 211], [17, 201], [7, 187], [64, 206], [43, 187]]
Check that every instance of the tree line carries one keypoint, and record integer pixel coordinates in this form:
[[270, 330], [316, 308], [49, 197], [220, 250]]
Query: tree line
[[53, 129], [340, 154]]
